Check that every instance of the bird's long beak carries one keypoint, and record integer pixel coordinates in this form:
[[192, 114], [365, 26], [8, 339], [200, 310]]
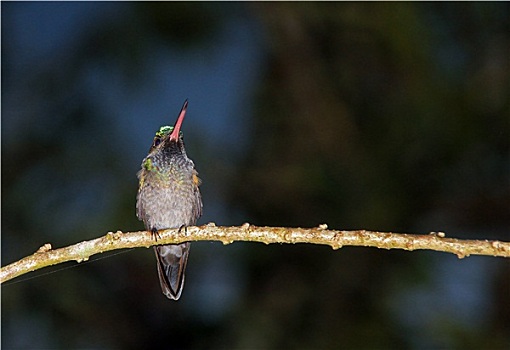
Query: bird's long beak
[[174, 136]]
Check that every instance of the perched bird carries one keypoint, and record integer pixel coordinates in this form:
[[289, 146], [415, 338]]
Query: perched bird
[[168, 197]]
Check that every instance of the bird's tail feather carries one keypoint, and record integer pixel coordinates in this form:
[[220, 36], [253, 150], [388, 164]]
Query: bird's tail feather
[[172, 261]]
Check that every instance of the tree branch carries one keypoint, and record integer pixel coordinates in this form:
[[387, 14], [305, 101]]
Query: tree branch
[[79, 252]]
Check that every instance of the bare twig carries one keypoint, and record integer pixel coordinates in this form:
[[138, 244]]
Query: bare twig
[[46, 256]]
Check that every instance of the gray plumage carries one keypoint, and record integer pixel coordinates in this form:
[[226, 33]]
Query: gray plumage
[[168, 197]]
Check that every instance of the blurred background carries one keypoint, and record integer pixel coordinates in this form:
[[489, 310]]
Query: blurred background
[[383, 116]]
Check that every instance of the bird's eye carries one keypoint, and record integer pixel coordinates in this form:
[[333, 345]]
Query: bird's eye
[[157, 141]]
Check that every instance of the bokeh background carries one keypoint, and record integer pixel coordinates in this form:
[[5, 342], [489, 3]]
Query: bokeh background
[[384, 116]]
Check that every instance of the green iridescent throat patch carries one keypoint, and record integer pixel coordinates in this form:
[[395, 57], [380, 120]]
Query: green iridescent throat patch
[[148, 165]]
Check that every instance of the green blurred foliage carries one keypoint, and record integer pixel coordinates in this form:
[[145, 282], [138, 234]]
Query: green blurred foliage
[[361, 124]]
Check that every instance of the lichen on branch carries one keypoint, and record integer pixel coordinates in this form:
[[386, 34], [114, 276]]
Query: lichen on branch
[[46, 256]]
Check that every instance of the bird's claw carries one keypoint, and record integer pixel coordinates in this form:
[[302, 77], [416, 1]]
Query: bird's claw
[[155, 234]]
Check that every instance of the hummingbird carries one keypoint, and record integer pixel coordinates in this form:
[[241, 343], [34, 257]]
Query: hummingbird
[[169, 197]]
